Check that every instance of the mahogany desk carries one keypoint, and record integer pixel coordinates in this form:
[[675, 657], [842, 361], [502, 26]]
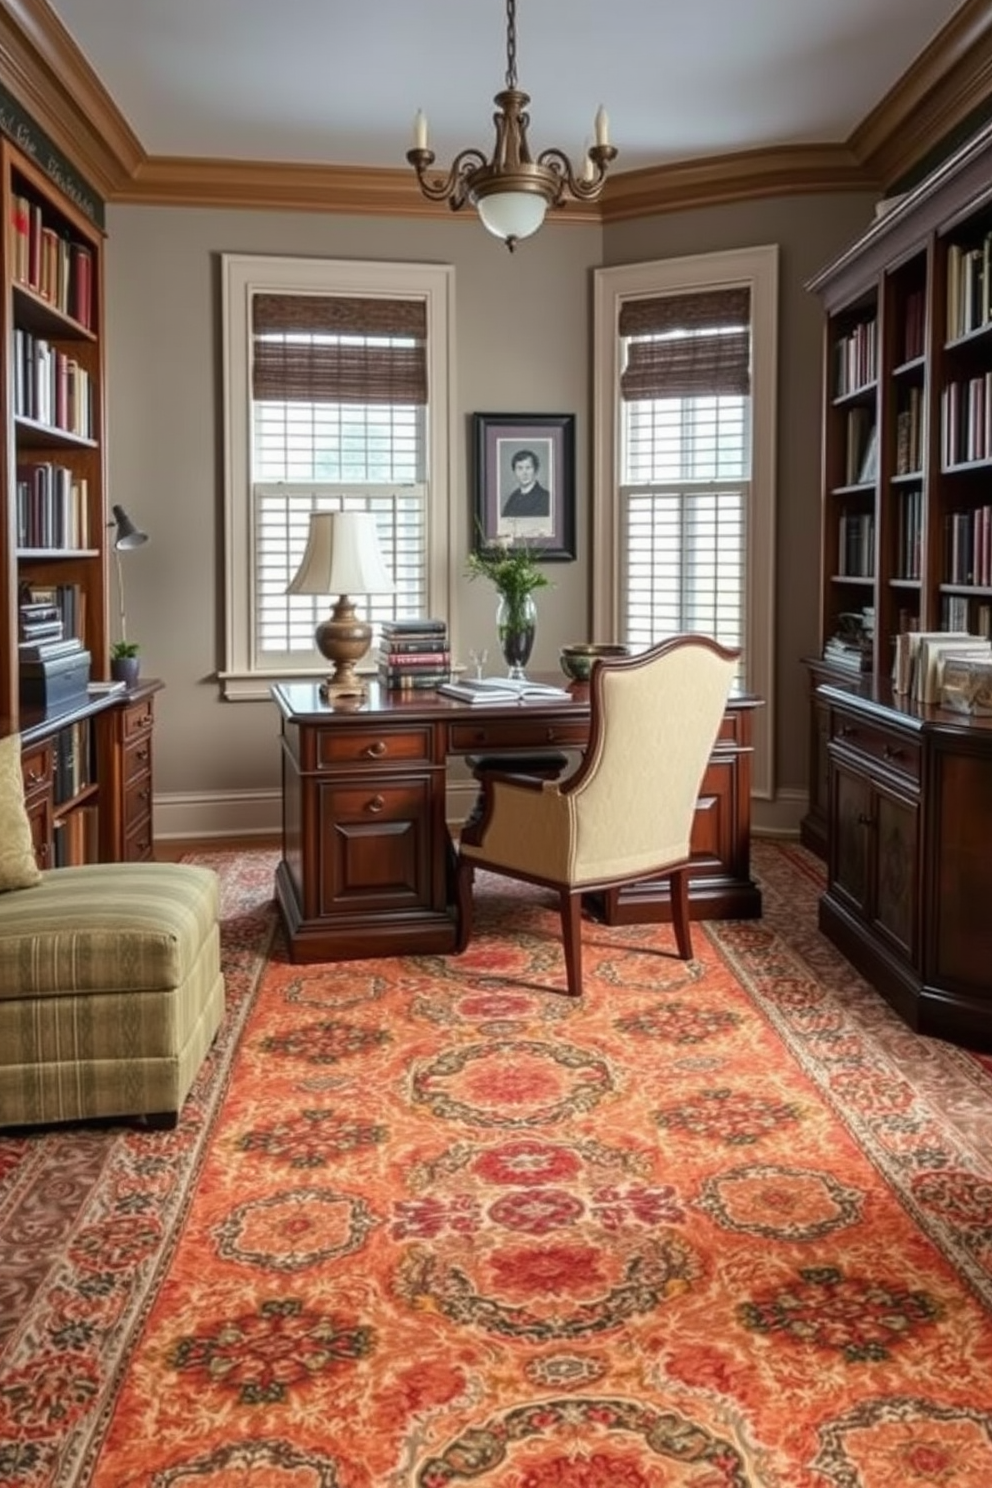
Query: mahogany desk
[[366, 865]]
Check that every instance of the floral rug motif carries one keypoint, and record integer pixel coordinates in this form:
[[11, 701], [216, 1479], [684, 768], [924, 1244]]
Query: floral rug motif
[[425, 1223]]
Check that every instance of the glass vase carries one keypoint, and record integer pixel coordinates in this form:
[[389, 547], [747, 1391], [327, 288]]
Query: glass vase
[[516, 625]]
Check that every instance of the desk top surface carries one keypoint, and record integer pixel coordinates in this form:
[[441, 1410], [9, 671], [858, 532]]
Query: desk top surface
[[301, 702]]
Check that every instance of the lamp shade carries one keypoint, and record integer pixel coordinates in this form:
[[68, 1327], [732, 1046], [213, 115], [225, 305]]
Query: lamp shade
[[342, 557], [511, 214], [127, 535]]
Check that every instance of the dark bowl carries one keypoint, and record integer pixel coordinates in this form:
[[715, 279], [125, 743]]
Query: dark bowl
[[576, 660]]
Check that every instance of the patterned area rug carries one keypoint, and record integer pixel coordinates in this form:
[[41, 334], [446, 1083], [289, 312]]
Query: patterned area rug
[[724, 1224]]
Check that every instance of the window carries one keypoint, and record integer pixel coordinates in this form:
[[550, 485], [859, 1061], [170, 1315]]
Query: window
[[336, 376], [684, 518]]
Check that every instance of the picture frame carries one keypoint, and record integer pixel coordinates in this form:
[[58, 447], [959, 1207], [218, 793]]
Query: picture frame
[[525, 482]]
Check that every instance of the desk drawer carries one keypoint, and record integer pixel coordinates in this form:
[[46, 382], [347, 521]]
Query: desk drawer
[[886, 747], [517, 733], [344, 746]]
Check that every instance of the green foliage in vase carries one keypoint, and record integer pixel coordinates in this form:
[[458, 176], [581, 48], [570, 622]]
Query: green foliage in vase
[[514, 573], [120, 649]]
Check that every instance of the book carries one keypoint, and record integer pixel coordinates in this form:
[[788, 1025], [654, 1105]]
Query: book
[[105, 689], [415, 626], [930, 657], [501, 690], [966, 684]]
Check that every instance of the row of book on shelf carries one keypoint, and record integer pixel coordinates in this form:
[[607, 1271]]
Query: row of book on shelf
[[966, 421], [52, 264], [50, 386], [856, 545], [949, 668], [856, 359], [969, 287], [52, 506], [968, 547]]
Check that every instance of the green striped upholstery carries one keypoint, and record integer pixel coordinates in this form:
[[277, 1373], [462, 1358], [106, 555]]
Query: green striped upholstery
[[110, 991], [130, 926]]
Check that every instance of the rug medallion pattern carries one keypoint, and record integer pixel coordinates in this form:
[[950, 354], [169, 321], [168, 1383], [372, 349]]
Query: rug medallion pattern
[[725, 1224]]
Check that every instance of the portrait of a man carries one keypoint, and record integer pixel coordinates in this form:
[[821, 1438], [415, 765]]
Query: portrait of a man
[[525, 483], [528, 498]]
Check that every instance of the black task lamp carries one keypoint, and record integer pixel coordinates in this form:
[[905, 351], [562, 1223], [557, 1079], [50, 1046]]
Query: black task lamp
[[126, 537]]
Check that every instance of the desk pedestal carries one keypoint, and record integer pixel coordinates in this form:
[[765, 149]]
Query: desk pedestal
[[367, 858]]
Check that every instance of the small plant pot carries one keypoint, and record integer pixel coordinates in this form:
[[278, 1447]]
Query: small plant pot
[[125, 669]]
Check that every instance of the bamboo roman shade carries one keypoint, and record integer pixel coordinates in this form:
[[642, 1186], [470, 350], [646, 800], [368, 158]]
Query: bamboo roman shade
[[684, 346], [348, 349]]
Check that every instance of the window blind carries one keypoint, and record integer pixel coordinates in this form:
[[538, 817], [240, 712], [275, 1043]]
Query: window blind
[[685, 464], [339, 415]]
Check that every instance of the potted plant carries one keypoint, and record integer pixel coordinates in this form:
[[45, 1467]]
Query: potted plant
[[514, 573], [124, 662]]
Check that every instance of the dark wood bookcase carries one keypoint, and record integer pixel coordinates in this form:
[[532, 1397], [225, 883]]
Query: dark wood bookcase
[[87, 766], [901, 792]]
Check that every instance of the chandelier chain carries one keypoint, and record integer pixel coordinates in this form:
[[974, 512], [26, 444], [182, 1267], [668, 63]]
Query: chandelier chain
[[511, 43]]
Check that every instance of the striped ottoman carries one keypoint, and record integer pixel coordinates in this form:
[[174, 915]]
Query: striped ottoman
[[110, 991]]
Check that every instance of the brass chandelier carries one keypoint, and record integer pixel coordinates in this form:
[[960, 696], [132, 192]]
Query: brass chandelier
[[512, 192]]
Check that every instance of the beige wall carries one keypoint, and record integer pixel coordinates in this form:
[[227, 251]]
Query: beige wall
[[522, 326]]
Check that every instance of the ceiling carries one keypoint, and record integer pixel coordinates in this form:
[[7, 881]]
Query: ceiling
[[338, 81]]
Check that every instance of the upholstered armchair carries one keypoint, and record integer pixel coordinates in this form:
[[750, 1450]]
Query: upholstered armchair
[[627, 812]]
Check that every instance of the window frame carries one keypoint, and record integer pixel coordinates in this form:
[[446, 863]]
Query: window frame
[[242, 276], [756, 267]]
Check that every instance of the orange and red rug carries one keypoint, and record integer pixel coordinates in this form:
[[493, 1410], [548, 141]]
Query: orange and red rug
[[424, 1224]]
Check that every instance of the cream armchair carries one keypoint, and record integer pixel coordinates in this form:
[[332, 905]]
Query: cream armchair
[[626, 814]]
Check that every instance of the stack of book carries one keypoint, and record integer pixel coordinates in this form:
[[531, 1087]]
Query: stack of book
[[54, 667], [851, 645], [414, 654]]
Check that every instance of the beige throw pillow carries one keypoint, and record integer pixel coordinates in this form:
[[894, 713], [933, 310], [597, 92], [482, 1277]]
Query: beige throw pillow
[[18, 869]]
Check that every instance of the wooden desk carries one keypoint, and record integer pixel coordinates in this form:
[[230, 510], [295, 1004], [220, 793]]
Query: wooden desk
[[366, 851]]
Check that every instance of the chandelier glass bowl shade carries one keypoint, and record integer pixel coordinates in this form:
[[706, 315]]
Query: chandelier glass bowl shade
[[512, 192]]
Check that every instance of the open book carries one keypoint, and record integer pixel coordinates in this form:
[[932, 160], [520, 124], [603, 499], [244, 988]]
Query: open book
[[501, 690]]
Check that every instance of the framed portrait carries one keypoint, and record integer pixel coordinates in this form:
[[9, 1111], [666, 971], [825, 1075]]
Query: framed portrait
[[525, 481]]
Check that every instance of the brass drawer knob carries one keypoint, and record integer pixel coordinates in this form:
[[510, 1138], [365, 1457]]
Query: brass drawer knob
[[376, 804], [376, 750]]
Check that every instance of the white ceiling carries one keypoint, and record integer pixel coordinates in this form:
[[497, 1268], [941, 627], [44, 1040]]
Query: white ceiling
[[338, 81]]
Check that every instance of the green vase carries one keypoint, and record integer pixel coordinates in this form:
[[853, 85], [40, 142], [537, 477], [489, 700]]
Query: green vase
[[516, 626]]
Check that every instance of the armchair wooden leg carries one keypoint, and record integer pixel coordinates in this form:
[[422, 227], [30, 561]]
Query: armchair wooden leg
[[571, 934], [679, 885], [465, 880]]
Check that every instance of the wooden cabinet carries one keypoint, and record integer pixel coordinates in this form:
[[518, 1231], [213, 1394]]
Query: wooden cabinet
[[909, 875], [88, 779]]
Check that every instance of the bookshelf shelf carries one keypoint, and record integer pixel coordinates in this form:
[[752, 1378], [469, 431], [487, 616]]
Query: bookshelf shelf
[[900, 790], [87, 781]]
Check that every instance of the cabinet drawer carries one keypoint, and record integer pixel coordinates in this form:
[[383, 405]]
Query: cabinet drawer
[[877, 745], [516, 733], [138, 719], [343, 746], [138, 844], [36, 769], [137, 760], [349, 805], [137, 801]]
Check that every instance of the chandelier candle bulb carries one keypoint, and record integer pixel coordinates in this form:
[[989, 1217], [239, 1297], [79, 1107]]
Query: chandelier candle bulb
[[420, 130], [602, 126]]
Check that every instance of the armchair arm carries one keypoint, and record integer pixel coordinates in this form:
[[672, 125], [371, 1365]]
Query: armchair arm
[[472, 831]]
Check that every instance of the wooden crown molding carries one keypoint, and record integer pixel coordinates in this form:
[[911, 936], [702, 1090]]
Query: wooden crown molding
[[48, 74], [947, 83]]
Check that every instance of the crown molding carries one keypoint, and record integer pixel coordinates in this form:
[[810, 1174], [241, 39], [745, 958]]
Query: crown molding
[[54, 83], [947, 83], [50, 77], [163, 180], [784, 170]]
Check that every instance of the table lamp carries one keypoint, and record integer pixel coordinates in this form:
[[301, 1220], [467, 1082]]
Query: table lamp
[[342, 557]]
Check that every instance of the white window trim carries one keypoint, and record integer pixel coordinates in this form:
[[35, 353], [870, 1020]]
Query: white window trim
[[242, 276], [758, 269]]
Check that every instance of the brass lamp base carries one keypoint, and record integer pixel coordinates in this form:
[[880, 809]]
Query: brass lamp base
[[343, 640]]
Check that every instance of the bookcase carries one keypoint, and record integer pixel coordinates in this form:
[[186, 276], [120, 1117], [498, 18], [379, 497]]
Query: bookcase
[[86, 760], [901, 791]]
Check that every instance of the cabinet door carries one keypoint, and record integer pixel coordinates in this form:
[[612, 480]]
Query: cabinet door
[[375, 855], [895, 821], [849, 839]]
